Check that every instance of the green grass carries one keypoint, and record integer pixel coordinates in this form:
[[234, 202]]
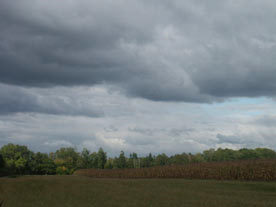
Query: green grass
[[77, 191]]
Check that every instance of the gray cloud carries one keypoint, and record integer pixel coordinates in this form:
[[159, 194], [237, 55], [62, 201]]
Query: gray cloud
[[266, 121], [16, 99], [119, 74], [146, 132], [179, 132], [140, 141], [139, 126], [252, 140], [230, 139], [189, 51]]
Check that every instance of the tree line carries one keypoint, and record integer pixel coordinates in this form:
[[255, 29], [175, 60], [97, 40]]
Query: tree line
[[18, 159]]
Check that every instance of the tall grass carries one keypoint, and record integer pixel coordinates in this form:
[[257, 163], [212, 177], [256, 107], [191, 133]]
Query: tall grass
[[252, 170]]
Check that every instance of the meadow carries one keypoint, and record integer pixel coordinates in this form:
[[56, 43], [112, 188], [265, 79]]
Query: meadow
[[72, 191]]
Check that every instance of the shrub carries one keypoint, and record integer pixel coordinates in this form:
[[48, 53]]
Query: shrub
[[62, 170]]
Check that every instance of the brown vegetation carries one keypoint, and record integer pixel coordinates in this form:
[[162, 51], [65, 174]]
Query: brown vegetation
[[253, 170]]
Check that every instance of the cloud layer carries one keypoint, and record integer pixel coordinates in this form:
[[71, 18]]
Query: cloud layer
[[56, 102], [138, 125], [143, 75], [190, 51]]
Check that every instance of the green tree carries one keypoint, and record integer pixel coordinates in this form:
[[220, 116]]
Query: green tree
[[179, 159], [101, 158], [62, 170], [225, 155], [41, 164], [20, 165], [94, 160], [84, 161], [245, 154], [121, 161], [208, 155], [198, 157], [67, 157], [265, 153], [109, 164], [133, 161], [17, 158], [147, 161], [161, 159]]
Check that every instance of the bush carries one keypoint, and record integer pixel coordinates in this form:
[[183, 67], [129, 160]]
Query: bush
[[62, 170]]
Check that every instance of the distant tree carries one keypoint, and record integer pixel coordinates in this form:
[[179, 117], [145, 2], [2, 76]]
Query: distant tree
[[121, 161], [52, 156], [225, 155], [265, 153], [17, 158], [62, 170], [67, 157], [179, 159], [147, 161], [109, 164], [20, 165], [208, 155], [41, 164], [133, 161], [134, 155], [102, 158], [161, 159], [245, 154], [116, 162], [151, 159], [198, 157], [137, 163], [130, 162], [84, 161], [94, 159]]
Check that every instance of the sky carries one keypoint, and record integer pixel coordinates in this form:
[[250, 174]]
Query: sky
[[140, 76]]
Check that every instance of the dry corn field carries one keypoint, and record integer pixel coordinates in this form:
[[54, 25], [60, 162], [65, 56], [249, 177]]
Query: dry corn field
[[253, 170]]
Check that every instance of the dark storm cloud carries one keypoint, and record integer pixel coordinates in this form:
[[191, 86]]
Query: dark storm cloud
[[191, 51], [15, 99]]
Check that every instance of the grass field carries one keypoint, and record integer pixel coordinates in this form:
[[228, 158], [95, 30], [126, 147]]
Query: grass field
[[56, 191]]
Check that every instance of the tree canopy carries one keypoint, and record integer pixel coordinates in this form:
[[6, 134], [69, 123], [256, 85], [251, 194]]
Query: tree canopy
[[18, 159]]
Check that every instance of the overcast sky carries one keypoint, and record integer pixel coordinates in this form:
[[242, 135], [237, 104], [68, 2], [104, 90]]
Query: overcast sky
[[140, 76]]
